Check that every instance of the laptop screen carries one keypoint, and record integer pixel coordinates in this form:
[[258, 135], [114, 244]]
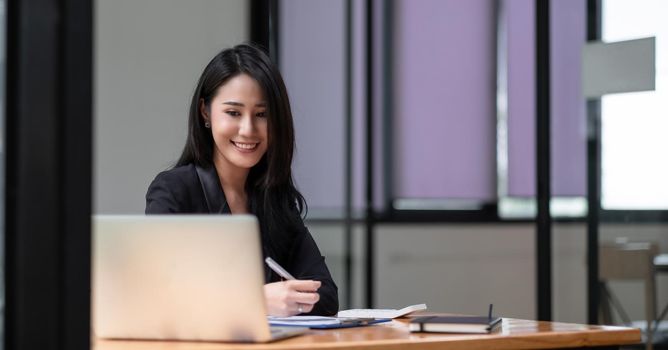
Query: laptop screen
[[184, 277]]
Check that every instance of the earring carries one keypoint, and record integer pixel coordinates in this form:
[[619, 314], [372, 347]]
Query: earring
[[207, 125]]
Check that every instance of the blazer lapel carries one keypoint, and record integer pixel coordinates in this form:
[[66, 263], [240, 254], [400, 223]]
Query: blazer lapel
[[215, 200], [213, 193]]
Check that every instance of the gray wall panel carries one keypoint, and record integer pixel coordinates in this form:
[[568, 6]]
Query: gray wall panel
[[148, 57]]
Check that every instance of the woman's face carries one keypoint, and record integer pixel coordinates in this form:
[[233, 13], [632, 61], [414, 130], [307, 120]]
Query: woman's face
[[238, 123]]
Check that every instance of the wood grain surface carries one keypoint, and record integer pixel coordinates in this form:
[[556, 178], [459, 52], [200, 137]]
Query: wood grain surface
[[513, 334]]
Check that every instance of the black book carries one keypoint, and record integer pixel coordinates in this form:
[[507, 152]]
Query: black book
[[454, 324]]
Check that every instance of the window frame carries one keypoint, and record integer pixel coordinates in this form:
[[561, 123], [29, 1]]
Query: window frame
[[48, 174]]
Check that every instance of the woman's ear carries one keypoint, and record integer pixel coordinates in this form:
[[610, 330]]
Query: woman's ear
[[203, 111]]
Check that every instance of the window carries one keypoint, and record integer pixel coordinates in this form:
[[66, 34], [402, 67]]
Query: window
[[634, 125], [444, 137], [516, 109]]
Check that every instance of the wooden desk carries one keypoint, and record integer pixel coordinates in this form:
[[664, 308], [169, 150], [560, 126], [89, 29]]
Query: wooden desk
[[513, 334]]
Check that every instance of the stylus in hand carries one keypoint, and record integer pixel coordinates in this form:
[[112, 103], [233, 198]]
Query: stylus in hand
[[278, 269]]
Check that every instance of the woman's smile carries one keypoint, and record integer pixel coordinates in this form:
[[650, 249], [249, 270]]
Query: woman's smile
[[245, 147]]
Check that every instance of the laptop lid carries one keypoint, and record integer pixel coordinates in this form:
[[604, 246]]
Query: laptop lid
[[181, 277]]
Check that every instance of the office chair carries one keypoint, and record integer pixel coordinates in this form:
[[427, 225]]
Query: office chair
[[624, 260]]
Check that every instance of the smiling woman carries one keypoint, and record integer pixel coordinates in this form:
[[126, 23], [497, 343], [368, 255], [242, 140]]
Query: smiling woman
[[237, 159]]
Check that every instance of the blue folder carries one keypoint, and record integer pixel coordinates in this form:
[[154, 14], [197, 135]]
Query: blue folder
[[322, 322]]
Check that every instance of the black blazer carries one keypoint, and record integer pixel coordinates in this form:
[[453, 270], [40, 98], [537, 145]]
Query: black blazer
[[191, 189]]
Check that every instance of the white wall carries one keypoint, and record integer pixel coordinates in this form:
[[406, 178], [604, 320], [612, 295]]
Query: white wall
[[457, 268], [148, 56]]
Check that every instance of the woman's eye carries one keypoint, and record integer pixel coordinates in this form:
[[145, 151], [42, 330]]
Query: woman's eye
[[233, 113], [261, 114]]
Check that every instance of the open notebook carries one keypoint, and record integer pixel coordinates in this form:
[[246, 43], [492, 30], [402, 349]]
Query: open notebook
[[382, 313]]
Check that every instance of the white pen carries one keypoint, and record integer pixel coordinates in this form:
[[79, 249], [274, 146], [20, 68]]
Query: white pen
[[278, 269]]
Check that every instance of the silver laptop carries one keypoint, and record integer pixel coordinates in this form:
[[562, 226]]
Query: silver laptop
[[180, 277]]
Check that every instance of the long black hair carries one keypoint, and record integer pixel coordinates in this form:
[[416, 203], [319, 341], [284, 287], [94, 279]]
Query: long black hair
[[272, 195]]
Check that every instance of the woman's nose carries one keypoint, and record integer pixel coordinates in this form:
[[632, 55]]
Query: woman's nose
[[247, 127]]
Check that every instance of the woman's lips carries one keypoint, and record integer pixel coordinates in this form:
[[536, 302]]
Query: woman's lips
[[245, 146]]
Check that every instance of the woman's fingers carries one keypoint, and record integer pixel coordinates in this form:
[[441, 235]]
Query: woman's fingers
[[305, 298], [291, 297], [303, 294], [303, 308], [303, 285]]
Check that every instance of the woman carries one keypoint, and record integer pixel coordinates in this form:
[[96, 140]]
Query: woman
[[237, 159]]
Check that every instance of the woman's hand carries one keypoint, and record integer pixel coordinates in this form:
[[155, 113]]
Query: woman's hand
[[288, 298]]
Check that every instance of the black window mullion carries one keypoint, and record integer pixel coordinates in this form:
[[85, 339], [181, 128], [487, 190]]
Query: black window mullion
[[543, 181], [76, 171], [593, 175], [48, 174]]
